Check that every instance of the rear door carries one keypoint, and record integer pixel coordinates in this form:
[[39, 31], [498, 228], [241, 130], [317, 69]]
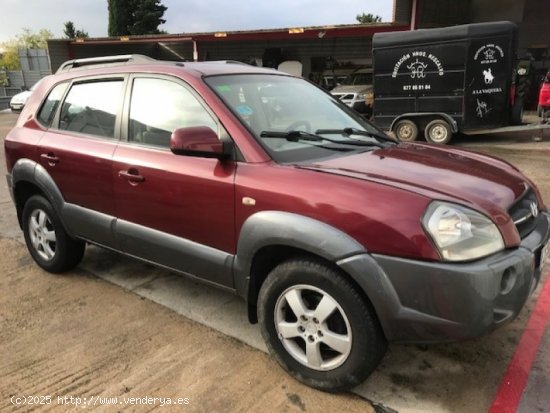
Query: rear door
[[174, 210], [77, 152]]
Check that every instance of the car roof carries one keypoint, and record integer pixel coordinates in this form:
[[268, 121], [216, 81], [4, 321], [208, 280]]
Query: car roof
[[140, 64]]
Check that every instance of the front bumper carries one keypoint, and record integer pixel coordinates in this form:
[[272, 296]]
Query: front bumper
[[432, 302], [16, 107]]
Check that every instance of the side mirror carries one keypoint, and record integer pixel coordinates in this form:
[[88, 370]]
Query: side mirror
[[199, 141]]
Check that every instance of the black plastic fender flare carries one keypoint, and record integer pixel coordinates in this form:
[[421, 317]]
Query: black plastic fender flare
[[27, 170], [271, 228]]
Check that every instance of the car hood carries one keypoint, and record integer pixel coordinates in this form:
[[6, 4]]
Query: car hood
[[436, 172]]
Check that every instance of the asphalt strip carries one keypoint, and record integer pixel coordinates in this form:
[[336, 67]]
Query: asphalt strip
[[515, 379]]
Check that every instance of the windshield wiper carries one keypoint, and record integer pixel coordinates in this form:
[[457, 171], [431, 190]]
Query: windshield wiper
[[298, 135], [355, 131]]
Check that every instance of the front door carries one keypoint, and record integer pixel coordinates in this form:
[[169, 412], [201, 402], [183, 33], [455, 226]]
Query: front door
[[174, 210]]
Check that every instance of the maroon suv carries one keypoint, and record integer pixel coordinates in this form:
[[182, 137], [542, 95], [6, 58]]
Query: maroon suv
[[339, 238]]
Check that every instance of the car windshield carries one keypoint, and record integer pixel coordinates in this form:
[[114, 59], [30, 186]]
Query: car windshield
[[358, 79], [294, 120]]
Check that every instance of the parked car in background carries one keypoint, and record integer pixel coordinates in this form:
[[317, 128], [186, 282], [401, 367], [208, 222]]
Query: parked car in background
[[544, 96], [356, 91], [340, 238], [331, 78], [17, 102]]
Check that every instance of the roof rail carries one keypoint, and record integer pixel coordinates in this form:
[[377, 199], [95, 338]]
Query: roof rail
[[103, 61], [235, 62]]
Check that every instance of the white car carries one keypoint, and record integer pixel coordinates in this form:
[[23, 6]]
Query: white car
[[18, 101], [357, 91]]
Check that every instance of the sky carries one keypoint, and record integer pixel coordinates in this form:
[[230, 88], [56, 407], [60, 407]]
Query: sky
[[188, 15]]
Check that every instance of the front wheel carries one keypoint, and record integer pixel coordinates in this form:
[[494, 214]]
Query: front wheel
[[318, 327], [47, 241]]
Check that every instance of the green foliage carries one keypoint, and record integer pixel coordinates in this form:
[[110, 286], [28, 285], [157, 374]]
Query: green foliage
[[148, 17], [368, 18], [127, 17], [4, 79], [10, 58], [27, 39], [120, 15], [71, 33], [30, 40]]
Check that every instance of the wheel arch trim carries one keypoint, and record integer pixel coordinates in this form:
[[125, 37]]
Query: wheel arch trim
[[284, 229], [272, 228], [27, 170]]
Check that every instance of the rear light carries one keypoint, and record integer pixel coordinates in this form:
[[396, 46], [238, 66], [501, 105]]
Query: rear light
[[544, 95]]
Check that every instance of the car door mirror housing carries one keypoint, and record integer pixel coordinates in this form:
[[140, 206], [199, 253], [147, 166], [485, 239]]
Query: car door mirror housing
[[199, 141]]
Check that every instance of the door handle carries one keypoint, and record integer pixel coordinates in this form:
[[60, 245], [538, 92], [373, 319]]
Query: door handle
[[50, 158], [132, 175]]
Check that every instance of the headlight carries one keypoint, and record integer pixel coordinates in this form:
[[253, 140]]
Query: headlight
[[461, 233]]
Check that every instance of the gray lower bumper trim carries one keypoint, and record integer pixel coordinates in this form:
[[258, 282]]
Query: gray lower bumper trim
[[432, 301]]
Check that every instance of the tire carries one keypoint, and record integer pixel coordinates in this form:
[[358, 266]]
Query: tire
[[539, 111], [406, 130], [438, 131], [517, 112], [47, 241], [523, 88], [293, 297]]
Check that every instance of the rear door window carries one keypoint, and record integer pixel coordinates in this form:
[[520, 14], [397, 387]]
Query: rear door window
[[91, 108]]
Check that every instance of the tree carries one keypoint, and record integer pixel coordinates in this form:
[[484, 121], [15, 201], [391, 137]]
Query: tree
[[148, 17], [120, 17], [368, 18], [25, 40], [71, 33], [135, 17], [10, 58], [30, 40]]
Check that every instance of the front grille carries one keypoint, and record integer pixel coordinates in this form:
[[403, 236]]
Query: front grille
[[524, 212]]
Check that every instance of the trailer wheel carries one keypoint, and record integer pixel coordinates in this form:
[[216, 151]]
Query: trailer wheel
[[406, 130], [438, 131]]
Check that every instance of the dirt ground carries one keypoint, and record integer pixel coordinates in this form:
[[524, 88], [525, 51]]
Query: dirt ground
[[78, 336]]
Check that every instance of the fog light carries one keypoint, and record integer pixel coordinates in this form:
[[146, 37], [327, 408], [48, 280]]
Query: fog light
[[508, 280]]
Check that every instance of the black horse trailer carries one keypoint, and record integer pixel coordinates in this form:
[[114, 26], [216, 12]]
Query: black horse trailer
[[446, 80]]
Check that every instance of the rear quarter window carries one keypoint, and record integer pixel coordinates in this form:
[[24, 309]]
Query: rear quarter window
[[49, 107]]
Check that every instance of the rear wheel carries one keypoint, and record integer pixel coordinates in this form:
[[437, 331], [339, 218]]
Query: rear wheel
[[47, 241], [318, 327], [438, 131], [406, 130]]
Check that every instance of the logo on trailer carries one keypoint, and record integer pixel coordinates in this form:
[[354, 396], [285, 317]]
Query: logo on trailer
[[488, 76], [489, 53], [482, 108], [417, 69], [419, 66]]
